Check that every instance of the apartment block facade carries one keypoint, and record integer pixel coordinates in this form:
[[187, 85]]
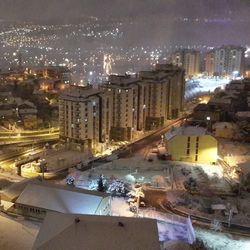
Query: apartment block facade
[[84, 117], [124, 92], [226, 60], [189, 60], [121, 108]]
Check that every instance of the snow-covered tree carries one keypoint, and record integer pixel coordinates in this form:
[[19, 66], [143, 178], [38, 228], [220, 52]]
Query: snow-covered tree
[[70, 180], [118, 188], [135, 198]]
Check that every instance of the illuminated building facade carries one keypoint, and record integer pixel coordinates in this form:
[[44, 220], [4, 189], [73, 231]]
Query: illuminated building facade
[[189, 60], [124, 91], [191, 144], [209, 63], [226, 60], [122, 108], [84, 118], [145, 102], [162, 95]]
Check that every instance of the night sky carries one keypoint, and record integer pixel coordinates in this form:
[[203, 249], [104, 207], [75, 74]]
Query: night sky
[[51, 9], [158, 22]]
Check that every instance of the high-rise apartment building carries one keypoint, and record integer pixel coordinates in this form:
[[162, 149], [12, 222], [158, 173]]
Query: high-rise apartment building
[[145, 102], [84, 117], [209, 63], [226, 60], [162, 95], [124, 96], [122, 107], [189, 60]]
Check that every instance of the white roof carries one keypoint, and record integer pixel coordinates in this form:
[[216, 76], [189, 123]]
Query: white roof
[[220, 101], [61, 199], [187, 131], [92, 232], [225, 125], [79, 92], [243, 114], [218, 207]]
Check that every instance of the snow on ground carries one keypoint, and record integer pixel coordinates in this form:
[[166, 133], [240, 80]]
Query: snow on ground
[[209, 178], [219, 241], [210, 84], [17, 234], [158, 173], [119, 207], [129, 170], [236, 153], [204, 85], [169, 228]]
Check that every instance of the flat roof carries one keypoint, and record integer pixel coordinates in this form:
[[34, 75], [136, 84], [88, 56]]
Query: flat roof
[[93, 232], [187, 131], [122, 80], [61, 199], [74, 92]]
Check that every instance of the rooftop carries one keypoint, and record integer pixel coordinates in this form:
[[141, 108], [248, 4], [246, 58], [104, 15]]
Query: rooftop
[[93, 232], [122, 80], [61, 199], [206, 107], [80, 92], [187, 131], [225, 125]]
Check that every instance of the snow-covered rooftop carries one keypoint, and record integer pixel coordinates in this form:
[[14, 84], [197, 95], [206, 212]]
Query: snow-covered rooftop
[[225, 125], [188, 131], [80, 92], [61, 199], [60, 231], [243, 114]]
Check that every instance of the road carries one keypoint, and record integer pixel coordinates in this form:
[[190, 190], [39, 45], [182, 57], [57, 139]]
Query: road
[[150, 139], [10, 158], [29, 138], [28, 132], [130, 149]]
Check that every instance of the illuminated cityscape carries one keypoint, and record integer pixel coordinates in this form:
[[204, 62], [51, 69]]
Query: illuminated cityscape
[[124, 124]]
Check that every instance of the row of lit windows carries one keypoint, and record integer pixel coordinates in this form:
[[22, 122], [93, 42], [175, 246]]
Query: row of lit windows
[[196, 147]]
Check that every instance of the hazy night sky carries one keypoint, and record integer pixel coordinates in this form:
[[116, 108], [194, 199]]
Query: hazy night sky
[[52, 9], [154, 22]]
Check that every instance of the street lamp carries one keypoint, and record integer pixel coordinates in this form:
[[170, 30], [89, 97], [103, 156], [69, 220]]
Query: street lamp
[[208, 123]]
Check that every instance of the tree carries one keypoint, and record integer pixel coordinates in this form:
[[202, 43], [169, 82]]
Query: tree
[[135, 198], [70, 180], [119, 188], [100, 185]]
